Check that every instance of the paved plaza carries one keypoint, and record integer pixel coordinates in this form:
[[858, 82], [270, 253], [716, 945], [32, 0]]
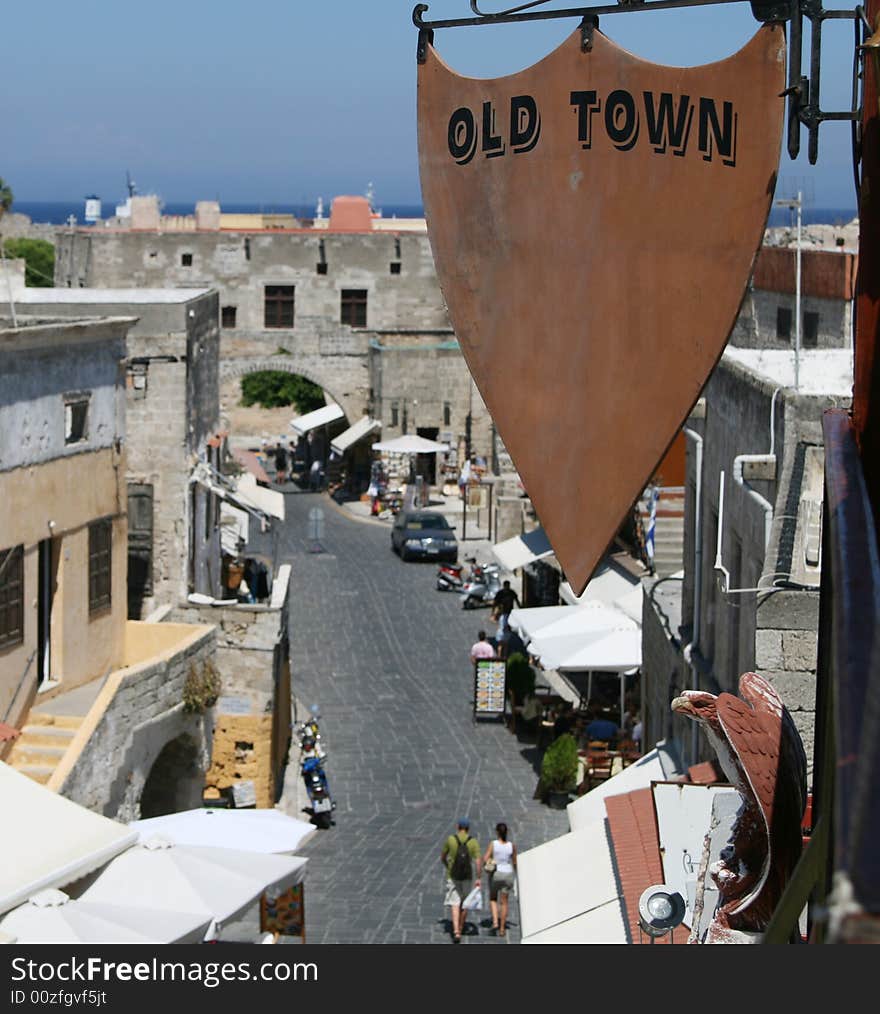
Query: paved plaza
[[385, 655]]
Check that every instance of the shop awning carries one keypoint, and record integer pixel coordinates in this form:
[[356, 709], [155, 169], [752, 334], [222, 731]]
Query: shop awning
[[522, 549], [568, 891], [49, 841], [618, 650], [250, 494], [362, 428], [409, 443], [608, 586], [302, 424], [564, 621]]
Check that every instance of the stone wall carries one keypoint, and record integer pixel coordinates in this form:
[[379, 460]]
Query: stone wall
[[138, 712], [253, 712]]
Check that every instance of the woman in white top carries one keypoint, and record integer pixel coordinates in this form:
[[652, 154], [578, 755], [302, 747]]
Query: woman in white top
[[500, 860]]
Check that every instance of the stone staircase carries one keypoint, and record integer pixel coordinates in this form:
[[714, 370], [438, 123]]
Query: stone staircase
[[43, 742], [668, 530]]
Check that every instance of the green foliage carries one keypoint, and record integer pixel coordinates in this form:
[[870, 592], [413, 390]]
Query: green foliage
[[39, 255], [274, 388], [559, 764], [520, 677], [6, 197], [201, 688]]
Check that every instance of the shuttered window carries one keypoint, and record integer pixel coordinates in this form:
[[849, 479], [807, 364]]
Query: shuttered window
[[100, 553], [11, 596]]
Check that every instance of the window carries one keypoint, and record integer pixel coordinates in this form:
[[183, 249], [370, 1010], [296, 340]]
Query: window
[[811, 329], [247, 249], [447, 413], [321, 268], [227, 316], [186, 260], [11, 596], [395, 267], [76, 420], [140, 546], [783, 323], [354, 307], [278, 306], [395, 414], [100, 551]]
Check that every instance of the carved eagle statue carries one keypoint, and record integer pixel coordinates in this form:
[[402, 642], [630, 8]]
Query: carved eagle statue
[[761, 753]]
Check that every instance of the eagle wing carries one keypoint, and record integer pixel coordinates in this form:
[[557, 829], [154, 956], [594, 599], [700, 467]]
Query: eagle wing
[[763, 736]]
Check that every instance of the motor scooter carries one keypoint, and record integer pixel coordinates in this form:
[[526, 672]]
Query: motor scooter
[[482, 588], [315, 779], [452, 576]]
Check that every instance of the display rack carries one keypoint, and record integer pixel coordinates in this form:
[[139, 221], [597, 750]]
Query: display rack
[[490, 688]]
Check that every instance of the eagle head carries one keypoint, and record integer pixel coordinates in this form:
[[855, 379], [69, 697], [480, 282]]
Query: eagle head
[[700, 706]]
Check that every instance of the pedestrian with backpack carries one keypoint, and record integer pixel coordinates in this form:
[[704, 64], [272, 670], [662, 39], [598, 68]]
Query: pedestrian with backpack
[[463, 861]]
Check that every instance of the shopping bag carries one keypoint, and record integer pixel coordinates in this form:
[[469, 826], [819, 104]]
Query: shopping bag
[[474, 901]]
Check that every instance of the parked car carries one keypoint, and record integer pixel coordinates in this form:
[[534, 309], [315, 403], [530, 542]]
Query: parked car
[[425, 534]]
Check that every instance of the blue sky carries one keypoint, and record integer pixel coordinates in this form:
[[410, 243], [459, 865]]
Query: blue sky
[[283, 100]]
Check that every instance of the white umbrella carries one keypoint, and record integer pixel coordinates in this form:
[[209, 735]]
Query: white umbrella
[[247, 830], [51, 917], [410, 444], [220, 882]]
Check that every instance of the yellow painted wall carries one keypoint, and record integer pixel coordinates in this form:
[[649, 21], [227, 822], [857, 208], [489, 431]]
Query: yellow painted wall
[[70, 492], [14, 660], [230, 766]]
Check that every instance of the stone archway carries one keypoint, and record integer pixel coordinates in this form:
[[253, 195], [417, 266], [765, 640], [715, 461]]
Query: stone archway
[[345, 385], [176, 779]]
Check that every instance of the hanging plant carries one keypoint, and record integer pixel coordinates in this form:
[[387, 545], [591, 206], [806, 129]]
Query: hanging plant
[[201, 688]]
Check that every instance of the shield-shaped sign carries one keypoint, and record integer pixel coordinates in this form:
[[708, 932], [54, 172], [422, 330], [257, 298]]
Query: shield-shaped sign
[[594, 220]]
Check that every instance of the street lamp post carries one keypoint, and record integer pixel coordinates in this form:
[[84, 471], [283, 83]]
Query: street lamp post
[[797, 203]]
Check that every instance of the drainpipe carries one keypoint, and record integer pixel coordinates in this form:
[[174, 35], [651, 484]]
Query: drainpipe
[[698, 578]]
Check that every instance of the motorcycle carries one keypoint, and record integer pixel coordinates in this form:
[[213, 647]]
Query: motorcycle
[[452, 576], [482, 588], [312, 757], [315, 779]]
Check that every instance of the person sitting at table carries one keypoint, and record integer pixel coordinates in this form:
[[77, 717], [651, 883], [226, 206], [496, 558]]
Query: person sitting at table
[[601, 729]]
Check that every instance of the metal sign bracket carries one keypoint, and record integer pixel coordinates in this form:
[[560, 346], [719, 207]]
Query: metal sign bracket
[[802, 91]]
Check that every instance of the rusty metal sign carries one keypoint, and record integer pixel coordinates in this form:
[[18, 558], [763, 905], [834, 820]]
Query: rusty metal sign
[[594, 220]]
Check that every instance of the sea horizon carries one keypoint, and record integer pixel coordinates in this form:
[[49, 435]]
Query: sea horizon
[[59, 212]]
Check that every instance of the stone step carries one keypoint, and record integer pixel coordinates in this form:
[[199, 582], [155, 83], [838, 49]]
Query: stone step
[[60, 721], [48, 735], [25, 752], [38, 772]]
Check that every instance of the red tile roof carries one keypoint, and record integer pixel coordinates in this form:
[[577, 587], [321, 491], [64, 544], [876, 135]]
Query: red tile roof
[[350, 214], [704, 774], [633, 826]]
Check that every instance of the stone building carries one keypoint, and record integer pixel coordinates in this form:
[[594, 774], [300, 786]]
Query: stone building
[[178, 500], [172, 411], [350, 302], [748, 597], [767, 318], [94, 702]]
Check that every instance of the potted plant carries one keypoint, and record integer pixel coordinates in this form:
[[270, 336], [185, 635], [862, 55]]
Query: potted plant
[[520, 677], [559, 770]]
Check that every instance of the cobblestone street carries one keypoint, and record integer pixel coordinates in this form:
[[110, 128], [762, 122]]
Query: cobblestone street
[[385, 655]]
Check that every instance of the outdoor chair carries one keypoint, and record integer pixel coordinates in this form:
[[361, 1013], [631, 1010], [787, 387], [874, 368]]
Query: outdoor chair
[[598, 764]]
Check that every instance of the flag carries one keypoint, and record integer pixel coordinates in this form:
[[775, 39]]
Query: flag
[[649, 534]]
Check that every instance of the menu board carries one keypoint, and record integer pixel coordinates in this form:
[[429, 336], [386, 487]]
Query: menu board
[[284, 913], [489, 688]]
